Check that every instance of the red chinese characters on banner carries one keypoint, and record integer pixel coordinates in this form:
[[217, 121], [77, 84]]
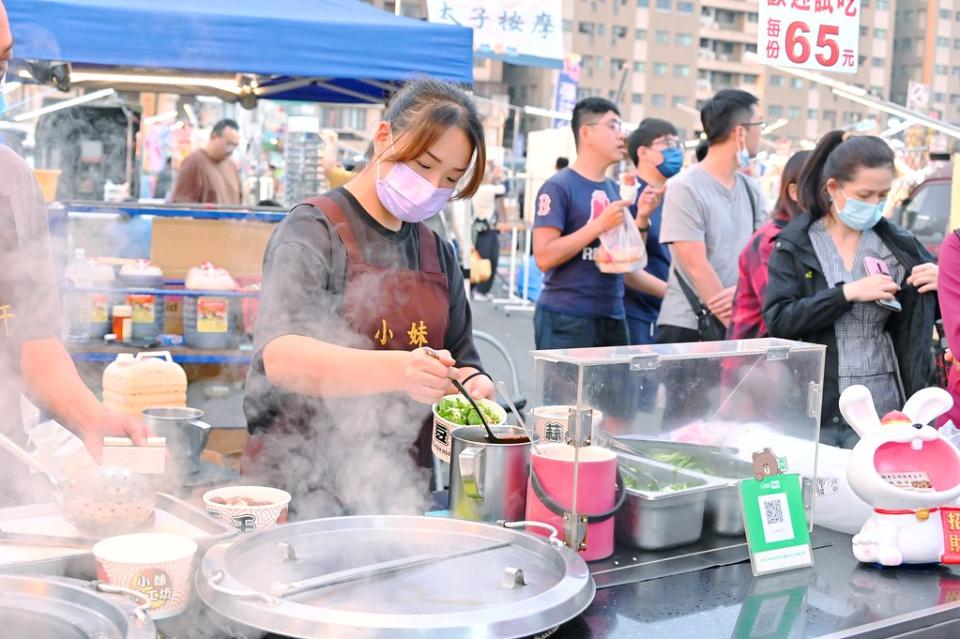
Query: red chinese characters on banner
[[951, 535], [798, 47], [813, 34]]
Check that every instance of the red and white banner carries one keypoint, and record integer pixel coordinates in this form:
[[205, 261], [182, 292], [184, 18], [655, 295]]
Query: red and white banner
[[810, 34]]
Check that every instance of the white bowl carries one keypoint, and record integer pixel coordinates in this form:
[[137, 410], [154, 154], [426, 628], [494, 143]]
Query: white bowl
[[158, 565], [249, 518], [442, 440]]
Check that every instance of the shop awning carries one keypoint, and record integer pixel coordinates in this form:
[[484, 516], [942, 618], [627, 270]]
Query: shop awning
[[318, 50]]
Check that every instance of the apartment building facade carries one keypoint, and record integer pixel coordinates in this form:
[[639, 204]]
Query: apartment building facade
[[927, 50], [664, 58]]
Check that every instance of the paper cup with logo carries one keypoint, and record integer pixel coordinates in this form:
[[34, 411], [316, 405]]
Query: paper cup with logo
[[159, 565], [550, 423], [248, 518], [442, 440]]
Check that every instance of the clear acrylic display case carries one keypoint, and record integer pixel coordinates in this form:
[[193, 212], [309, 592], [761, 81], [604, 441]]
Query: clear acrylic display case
[[705, 407]]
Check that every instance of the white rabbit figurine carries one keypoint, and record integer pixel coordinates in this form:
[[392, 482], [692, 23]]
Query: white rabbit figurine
[[907, 471]]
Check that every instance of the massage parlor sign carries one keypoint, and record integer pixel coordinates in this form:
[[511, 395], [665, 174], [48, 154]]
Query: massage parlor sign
[[821, 35]]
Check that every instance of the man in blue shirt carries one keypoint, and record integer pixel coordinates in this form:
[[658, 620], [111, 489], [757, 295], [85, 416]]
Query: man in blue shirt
[[657, 154], [579, 306]]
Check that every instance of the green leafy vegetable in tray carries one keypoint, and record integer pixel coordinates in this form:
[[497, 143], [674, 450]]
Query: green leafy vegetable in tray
[[458, 410], [687, 462], [636, 479], [679, 460]]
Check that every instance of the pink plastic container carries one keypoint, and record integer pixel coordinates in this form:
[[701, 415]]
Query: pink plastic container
[[596, 492]]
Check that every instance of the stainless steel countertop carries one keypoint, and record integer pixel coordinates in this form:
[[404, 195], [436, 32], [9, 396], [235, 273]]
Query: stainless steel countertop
[[838, 597]]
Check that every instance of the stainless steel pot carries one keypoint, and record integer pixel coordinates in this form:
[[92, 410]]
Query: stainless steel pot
[[186, 435], [70, 609], [488, 481], [394, 577]]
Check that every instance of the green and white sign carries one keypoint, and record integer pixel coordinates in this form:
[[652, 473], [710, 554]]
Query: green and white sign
[[777, 533]]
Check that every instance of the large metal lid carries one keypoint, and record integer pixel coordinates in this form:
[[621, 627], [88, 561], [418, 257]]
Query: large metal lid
[[434, 577], [67, 609]]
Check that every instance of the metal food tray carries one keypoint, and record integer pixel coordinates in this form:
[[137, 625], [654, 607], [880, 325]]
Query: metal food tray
[[172, 515], [723, 510], [656, 520]]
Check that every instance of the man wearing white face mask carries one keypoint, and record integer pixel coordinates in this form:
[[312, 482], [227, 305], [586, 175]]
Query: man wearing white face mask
[[708, 218], [33, 361]]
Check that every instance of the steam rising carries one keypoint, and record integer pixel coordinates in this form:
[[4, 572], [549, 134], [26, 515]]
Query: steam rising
[[354, 458]]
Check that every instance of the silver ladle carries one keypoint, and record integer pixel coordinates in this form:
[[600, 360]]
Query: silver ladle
[[102, 500]]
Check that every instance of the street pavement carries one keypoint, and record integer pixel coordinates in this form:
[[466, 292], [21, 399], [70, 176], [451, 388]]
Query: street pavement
[[515, 332]]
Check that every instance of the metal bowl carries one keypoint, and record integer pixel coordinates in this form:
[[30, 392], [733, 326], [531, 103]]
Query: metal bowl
[[67, 609]]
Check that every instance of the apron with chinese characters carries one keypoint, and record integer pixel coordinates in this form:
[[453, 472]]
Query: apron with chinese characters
[[392, 308]]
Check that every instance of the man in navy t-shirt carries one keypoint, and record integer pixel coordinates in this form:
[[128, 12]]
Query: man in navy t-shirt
[[579, 306], [657, 154]]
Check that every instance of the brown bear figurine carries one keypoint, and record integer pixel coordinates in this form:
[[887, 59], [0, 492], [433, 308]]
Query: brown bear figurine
[[765, 464]]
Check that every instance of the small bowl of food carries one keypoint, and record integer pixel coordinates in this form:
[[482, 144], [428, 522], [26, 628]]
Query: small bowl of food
[[453, 412], [248, 508]]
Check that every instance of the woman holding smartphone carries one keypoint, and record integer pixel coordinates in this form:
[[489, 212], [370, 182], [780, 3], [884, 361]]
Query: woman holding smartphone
[[845, 277]]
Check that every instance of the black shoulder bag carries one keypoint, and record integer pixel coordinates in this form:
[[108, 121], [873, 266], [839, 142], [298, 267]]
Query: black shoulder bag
[[709, 327]]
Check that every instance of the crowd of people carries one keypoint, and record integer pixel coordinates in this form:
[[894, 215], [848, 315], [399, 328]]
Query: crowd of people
[[824, 266]]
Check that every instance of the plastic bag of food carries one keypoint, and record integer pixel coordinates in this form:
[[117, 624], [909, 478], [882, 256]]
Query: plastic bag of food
[[622, 249]]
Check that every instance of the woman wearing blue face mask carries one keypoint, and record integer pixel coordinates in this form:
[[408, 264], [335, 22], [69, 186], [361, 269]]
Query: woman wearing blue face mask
[[843, 276], [363, 319]]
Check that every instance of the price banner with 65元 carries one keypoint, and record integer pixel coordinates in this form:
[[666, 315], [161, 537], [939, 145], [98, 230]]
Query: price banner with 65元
[[810, 34]]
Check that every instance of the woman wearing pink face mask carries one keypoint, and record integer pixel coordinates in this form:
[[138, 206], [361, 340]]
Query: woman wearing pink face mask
[[363, 317]]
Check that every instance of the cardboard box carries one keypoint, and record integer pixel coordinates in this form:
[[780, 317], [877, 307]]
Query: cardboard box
[[225, 446], [178, 244]]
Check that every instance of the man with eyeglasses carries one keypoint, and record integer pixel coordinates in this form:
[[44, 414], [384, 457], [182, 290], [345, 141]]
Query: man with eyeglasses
[[580, 306], [208, 175], [33, 360], [711, 212]]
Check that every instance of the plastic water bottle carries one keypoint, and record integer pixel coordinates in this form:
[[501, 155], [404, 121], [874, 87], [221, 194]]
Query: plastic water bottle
[[76, 305]]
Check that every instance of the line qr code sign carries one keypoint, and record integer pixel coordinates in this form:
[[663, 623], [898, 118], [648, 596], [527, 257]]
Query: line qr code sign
[[775, 511]]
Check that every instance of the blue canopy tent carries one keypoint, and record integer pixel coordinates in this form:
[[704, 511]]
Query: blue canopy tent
[[316, 50]]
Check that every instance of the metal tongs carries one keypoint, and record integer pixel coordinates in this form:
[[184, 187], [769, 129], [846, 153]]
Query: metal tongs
[[31, 539]]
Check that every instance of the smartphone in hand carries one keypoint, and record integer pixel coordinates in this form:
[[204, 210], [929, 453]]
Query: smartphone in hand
[[876, 266]]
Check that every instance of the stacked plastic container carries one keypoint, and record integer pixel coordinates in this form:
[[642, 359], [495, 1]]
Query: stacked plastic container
[[149, 380], [102, 303], [211, 321], [148, 308], [304, 176]]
